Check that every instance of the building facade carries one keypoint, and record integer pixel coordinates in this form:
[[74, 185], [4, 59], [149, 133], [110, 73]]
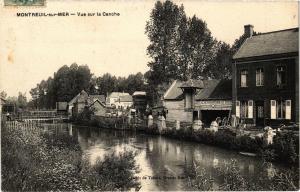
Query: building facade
[[266, 78], [98, 108], [82, 100], [198, 99], [114, 98], [139, 102]]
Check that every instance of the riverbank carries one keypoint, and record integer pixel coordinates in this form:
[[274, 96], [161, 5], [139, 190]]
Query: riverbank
[[284, 149], [33, 160]]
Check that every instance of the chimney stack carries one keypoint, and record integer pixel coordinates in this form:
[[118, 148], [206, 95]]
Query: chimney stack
[[248, 30]]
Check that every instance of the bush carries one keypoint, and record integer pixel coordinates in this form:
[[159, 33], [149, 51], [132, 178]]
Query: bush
[[286, 147], [115, 172], [32, 161]]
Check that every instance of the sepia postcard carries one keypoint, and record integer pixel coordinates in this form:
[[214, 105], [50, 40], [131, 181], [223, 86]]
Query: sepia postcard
[[149, 95]]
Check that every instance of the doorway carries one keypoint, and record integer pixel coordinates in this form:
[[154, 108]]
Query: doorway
[[259, 109]]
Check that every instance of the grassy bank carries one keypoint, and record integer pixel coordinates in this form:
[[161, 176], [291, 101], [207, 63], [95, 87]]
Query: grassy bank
[[231, 179], [36, 161]]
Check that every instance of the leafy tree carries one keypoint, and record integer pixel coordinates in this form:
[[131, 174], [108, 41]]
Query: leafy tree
[[220, 67], [3, 94], [200, 52], [162, 32]]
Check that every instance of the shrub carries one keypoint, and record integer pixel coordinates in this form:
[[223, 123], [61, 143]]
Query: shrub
[[32, 161], [286, 147], [114, 172]]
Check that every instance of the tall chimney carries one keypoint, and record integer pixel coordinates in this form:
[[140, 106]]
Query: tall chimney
[[248, 30]]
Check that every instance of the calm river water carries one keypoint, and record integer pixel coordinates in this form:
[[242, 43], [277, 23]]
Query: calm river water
[[162, 160]]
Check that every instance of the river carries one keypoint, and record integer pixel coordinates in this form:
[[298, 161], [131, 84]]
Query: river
[[162, 161]]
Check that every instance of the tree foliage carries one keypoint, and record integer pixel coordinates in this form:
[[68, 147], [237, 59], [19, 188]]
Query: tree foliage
[[69, 81]]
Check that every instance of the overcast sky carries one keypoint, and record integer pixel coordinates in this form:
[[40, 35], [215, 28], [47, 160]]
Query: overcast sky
[[32, 49]]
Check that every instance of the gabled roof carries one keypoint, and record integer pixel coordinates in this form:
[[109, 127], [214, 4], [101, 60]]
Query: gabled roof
[[174, 92], [74, 99], [97, 101], [212, 89], [272, 43], [101, 98], [83, 96], [215, 89], [126, 98]]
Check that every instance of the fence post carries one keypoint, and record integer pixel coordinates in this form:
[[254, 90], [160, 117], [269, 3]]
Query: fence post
[[177, 125], [150, 121]]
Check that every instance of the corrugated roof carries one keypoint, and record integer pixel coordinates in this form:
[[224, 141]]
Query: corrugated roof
[[272, 43], [213, 89], [126, 98]]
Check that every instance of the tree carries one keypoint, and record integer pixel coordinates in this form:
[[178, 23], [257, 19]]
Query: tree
[[200, 48], [220, 67], [66, 83], [107, 83], [3, 94], [22, 100], [162, 31]]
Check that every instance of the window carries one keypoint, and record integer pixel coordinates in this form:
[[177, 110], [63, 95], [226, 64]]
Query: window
[[259, 77], [281, 77], [244, 76], [260, 111], [244, 109], [280, 109]]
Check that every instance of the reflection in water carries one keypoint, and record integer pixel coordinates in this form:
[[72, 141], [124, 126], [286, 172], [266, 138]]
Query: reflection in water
[[162, 161]]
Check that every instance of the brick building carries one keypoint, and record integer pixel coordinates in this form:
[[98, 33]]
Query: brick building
[[266, 78]]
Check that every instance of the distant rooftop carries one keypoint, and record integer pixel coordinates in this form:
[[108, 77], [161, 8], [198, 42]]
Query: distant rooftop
[[117, 94], [139, 93], [271, 43], [126, 98]]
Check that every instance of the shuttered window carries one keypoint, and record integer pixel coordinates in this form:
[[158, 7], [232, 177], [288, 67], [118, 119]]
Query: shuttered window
[[237, 109], [280, 109], [288, 109], [273, 109], [250, 109]]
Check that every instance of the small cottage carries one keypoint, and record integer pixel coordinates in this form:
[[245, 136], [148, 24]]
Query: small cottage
[[124, 102], [82, 100], [113, 98], [198, 99]]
